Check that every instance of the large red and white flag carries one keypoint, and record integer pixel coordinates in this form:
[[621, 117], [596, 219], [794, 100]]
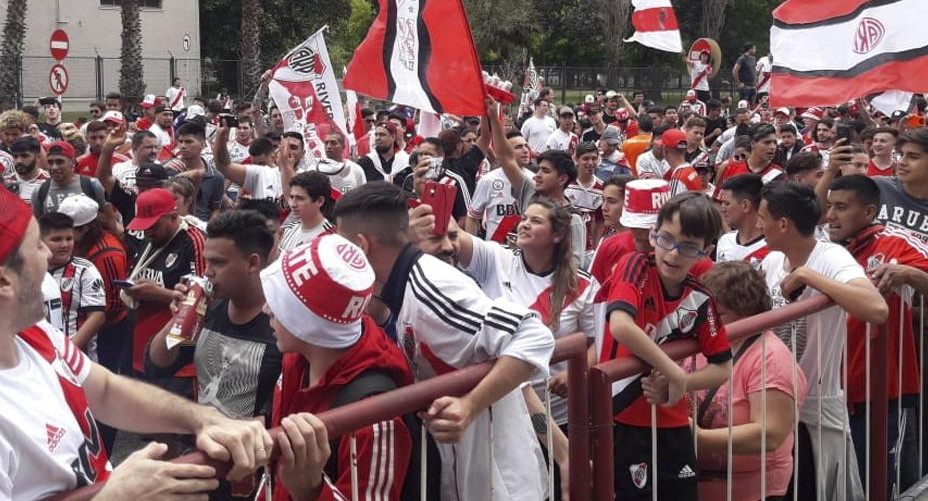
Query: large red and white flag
[[304, 88], [656, 25], [420, 53], [832, 51]]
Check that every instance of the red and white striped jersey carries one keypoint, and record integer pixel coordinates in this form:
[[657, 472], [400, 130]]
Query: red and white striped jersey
[[588, 200], [49, 441], [729, 249], [494, 204]]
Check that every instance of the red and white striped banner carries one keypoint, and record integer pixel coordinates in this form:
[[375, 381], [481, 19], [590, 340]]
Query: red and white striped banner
[[830, 51], [656, 25]]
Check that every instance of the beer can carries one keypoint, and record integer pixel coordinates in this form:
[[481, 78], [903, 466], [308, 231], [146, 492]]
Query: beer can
[[186, 324]]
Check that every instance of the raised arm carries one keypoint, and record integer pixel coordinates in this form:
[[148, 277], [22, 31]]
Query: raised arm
[[231, 171], [115, 139], [505, 155]]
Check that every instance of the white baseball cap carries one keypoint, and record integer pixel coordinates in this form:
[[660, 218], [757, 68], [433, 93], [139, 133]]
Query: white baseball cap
[[319, 291], [113, 116], [589, 99], [195, 110], [81, 208]]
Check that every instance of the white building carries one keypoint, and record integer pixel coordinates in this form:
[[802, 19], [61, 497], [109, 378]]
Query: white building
[[169, 28]]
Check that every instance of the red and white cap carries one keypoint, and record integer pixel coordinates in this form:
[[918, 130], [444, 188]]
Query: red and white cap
[[643, 201], [813, 113], [319, 291], [621, 114], [691, 95], [114, 116], [782, 111], [149, 101]]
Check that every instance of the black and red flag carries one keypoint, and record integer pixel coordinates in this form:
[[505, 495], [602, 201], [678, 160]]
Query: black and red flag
[[833, 51], [420, 53]]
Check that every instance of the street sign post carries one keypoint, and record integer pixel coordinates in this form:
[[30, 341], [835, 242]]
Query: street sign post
[[58, 79], [59, 44]]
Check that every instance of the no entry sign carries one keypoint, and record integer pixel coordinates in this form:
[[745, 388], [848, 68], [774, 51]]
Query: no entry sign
[[59, 44], [58, 79]]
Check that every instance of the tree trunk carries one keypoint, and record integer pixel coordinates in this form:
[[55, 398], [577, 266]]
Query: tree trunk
[[251, 50], [131, 77], [11, 63], [616, 17], [713, 18]]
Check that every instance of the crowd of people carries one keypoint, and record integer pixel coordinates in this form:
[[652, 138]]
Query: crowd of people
[[397, 257]]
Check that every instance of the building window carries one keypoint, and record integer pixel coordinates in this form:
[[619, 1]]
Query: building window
[[144, 4]]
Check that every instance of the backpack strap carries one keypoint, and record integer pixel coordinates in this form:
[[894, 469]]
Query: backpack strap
[[704, 406], [367, 384], [43, 194]]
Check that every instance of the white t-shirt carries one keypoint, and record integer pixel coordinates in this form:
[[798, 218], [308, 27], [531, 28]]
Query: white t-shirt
[[536, 131], [344, 176], [172, 94], [728, 249], [263, 182], [27, 187], [164, 139], [502, 273], [698, 68], [763, 69], [493, 203], [295, 235], [51, 296], [649, 167], [238, 152], [42, 448], [823, 332], [124, 172], [564, 141]]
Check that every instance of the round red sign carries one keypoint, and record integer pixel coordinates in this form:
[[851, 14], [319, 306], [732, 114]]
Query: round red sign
[[59, 44]]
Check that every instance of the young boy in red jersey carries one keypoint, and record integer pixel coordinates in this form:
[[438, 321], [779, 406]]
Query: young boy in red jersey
[[653, 299]]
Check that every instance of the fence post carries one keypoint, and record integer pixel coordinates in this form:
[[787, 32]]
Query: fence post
[[98, 71], [578, 425], [879, 414], [172, 70], [601, 435], [564, 84]]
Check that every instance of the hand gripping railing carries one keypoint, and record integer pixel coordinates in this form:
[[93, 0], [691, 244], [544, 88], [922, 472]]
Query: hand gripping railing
[[603, 375], [345, 419]]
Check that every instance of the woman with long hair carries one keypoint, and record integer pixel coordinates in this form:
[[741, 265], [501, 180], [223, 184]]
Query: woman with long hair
[[540, 273]]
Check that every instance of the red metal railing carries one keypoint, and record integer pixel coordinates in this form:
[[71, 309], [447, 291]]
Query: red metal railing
[[603, 375], [342, 420]]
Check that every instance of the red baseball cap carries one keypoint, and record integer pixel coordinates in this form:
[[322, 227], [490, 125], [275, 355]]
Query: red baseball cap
[[14, 221], [150, 206], [60, 148], [672, 138]]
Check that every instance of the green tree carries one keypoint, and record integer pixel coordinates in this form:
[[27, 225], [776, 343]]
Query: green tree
[[131, 72], [251, 48], [14, 33]]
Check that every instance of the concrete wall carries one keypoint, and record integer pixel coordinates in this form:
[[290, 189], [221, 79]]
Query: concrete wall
[[95, 30]]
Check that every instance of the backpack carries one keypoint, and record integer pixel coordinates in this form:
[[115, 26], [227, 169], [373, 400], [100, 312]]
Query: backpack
[[374, 382], [86, 188]]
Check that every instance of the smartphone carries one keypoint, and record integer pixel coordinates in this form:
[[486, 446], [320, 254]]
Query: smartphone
[[125, 284], [843, 131], [440, 197], [435, 171], [230, 121]]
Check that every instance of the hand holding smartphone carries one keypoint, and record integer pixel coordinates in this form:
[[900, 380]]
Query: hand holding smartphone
[[440, 197]]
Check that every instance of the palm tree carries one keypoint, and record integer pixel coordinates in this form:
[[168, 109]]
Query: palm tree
[[14, 32], [251, 50], [131, 82]]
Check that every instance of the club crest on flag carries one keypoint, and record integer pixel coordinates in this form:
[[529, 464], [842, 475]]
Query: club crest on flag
[[870, 33], [305, 60]]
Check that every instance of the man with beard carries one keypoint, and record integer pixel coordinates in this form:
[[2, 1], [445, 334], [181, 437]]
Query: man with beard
[[163, 128], [385, 160], [53, 394], [96, 136], [121, 181], [27, 175]]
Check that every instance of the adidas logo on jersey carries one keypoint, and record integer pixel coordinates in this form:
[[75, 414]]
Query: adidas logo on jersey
[[55, 435], [686, 472]]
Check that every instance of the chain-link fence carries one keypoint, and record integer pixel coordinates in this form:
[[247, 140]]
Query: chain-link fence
[[91, 78]]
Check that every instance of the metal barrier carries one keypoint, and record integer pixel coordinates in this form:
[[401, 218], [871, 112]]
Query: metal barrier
[[345, 419], [603, 375]]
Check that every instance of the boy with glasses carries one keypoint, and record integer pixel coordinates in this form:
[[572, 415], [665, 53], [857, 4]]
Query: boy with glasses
[[652, 298]]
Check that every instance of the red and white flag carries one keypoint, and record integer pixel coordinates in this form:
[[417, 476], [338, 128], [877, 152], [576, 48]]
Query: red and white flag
[[656, 25], [832, 51], [420, 53], [304, 88]]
